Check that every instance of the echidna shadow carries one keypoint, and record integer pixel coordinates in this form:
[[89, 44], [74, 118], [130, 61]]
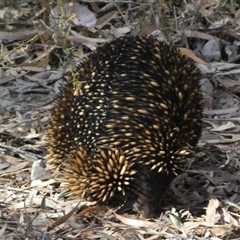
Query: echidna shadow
[[126, 122]]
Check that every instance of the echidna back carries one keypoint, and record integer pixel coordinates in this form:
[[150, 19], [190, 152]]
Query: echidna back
[[128, 124]]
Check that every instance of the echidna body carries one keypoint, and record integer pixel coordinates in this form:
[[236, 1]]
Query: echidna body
[[130, 125]]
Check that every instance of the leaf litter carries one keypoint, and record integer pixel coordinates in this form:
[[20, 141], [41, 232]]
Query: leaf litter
[[40, 42]]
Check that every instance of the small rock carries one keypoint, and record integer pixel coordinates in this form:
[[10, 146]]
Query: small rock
[[211, 51], [39, 171]]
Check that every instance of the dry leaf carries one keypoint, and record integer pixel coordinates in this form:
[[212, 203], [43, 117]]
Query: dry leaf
[[190, 54], [134, 222], [210, 218]]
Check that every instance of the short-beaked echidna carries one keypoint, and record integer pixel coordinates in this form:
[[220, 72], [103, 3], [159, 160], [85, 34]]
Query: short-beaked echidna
[[129, 125]]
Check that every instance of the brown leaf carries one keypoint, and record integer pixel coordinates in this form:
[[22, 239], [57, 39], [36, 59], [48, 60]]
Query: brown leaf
[[211, 211], [191, 55]]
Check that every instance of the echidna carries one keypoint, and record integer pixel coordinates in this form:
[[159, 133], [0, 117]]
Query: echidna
[[127, 122]]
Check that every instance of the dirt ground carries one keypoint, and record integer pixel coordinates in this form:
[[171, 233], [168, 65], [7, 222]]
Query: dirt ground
[[40, 41]]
